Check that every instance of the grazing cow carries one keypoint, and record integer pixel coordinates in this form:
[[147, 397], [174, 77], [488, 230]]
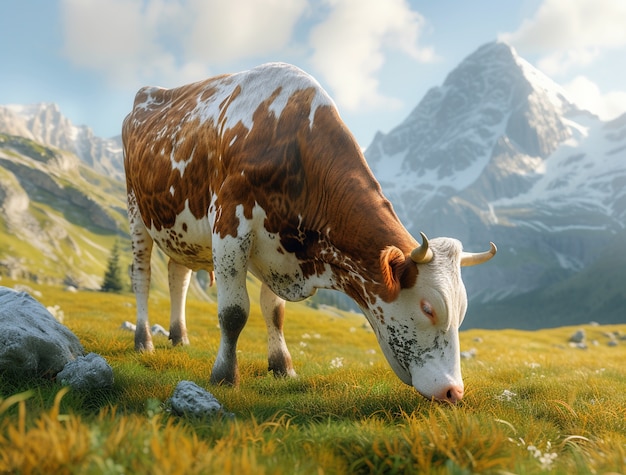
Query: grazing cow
[[256, 172]]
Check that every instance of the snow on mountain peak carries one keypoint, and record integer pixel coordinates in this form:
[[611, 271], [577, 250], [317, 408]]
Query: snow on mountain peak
[[493, 104]]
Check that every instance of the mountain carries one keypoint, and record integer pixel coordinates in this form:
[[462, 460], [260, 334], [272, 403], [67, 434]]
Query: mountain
[[44, 123], [58, 217], [498, 152]]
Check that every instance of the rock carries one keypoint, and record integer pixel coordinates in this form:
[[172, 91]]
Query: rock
[[578, 337], [157, 329], [189, 399], [128, 326], [468, 355], [581, 346], [32, 342], [87, 372]]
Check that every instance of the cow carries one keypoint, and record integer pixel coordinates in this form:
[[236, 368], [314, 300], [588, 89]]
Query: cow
[[256, 171]]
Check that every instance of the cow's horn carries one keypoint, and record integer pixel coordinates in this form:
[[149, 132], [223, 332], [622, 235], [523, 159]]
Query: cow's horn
[[475, 258], [422, 254]]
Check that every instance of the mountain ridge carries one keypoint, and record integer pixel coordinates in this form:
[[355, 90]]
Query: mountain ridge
[[44, 123], [498, 152]]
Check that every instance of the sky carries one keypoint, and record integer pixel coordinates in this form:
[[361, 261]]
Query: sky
[[376, 58]]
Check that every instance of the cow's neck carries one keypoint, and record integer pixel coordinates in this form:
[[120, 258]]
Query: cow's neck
[[358, 220]]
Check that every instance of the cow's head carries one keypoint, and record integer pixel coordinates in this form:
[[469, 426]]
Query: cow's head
[[417, 323]]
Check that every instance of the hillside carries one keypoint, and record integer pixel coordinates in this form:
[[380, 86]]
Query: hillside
[[58, 217], [498, 152], [45, 124]]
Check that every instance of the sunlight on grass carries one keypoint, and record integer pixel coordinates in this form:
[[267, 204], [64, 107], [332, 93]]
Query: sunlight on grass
[[533, 404]]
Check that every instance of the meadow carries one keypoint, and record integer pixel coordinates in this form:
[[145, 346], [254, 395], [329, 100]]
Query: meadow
[[533, 403]]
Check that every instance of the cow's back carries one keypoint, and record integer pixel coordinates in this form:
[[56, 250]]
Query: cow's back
[[193, 154]]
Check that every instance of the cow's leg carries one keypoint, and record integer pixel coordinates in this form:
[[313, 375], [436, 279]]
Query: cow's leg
[[233, 305], [273, 308], [140, 274], [178, 277]]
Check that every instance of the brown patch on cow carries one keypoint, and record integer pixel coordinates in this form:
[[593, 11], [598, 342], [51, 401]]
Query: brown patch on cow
[[311, 179]]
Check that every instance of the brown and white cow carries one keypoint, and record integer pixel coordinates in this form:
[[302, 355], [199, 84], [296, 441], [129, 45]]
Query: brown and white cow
[[256, 172]]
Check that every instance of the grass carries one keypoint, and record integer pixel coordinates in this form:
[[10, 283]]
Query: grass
[[533, 404]]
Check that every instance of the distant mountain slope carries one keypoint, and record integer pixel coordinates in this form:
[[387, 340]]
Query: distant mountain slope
[[499, 153], [58, 217], [44, 123]]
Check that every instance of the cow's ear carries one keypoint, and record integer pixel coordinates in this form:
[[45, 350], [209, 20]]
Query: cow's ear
[[398, 272]]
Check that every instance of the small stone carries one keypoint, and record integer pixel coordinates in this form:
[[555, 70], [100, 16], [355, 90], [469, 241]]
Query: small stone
[[578, 337], [127, 326], [87, 372], [189, 399], [467, 355], [159, 330]]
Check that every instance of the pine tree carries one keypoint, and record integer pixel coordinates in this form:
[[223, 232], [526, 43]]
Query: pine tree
[[113, 275]]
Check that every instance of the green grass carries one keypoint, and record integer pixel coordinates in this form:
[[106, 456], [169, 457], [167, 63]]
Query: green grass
[[533, 404]]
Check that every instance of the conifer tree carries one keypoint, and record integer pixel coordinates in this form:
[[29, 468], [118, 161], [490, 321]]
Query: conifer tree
[[113, 275]]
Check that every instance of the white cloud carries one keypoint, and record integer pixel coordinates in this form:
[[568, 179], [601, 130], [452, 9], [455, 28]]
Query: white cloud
[[349, 47], [176, 41], [170, 42], [587, 95], [569, 33], [227, 30]]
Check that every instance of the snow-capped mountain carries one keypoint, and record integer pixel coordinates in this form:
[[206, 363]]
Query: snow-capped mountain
[[44, 123], [499, 153]]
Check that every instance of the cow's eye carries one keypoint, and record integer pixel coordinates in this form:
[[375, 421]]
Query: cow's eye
[[428, 310]]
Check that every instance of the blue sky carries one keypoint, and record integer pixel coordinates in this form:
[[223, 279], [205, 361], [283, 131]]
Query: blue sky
[[376, 58]]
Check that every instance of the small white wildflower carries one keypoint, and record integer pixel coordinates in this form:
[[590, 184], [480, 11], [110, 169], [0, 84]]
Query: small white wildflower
[[303, 344], [317, 336], [306, 336], [352, 330], [506, 395], [545, 459], [533, 365], [336, 362]]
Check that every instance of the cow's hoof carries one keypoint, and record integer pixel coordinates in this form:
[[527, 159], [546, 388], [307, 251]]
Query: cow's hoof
[[146, 347], [184, 341]]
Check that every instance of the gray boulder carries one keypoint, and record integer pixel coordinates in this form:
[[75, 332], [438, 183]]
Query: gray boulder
[[189, 399], [32, 342], [578, 337], [87, 372]]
